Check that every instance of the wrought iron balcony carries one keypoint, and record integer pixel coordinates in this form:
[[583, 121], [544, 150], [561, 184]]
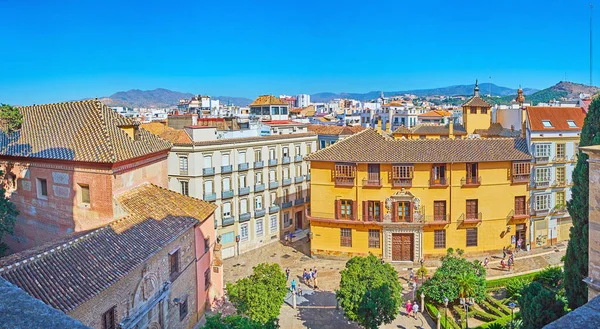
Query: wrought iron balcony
[[438, 182], [243, 166], [542, 184], [227, 194], [272, 162], [286, 205], [344, 181], [298, 179], [228, 221], [273, 185], [226, 169], [298, 158], [542, 159], [244, 190], [258, 164], [244, 217], [470, 181], [286, 182], [209, 196], [259, 187], [372, 182], [560, 183], [298, 202], [259, 213], [401, 182], [208, 171], [274, 208], [560, 159], [285, 160], [436, 219]]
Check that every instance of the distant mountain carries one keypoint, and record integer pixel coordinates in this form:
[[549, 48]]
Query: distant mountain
[[161, 98], [444, 91], [563, 89]]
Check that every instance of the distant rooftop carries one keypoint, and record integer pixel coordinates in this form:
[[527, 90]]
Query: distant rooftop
[[267, 100]]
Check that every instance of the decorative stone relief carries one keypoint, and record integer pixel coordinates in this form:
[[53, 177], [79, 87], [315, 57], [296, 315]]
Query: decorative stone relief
[[60, 178], [26, 185], [387, 242], [61, 191]]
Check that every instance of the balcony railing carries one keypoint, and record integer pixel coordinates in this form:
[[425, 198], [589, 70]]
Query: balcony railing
[[440, 182], [473, 217], [258, 164], [344, 181], [208, 171], [372, 182], [561, 159], [308, 177], [401, 182], [559, 183], [560, 209], [245, 217], [436, 219], [273, 185], [467, 219], [183, 172], [227, 194], [272, 162], [542, 159], [259, 213], [273, 209], [298, 179], [298, 158], [307, 199], [542, 184], [259, 187], [286, 182], [520, 178], [228, 221], [209, 196], [244, 190], [285, 160], [243, 166], [519, 215], [298, 202], [470, 181], [541, 212], [286, 205], [226, 169]]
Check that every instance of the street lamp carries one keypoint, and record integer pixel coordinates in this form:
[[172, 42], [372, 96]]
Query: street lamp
[[446, 312], [466, 302], [512, 306]]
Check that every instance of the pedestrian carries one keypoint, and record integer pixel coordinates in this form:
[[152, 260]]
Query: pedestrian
[[287, 273], [311, 276], [519, 244], [503, 252], [509, 263], [502, 264], [408, 308], [304, 276], [293, 285], [486, 262], [415, 309], [411, 274], [299, 291], [315, 279]]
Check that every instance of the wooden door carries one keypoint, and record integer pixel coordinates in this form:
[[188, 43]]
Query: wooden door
[[520, 205], [471, 209], [299, 220], [402, 247], [373, 172]]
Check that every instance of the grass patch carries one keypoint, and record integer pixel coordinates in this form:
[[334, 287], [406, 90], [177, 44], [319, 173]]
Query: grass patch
[[500, 283], [502, 321]]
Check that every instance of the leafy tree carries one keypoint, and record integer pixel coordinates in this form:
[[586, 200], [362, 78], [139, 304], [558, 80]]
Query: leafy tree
[[234, 322], [550, 277], [576, 261], [539, 306], [260, 295], [8, 217], [457, 277], [515, 286], [11, 117], [369, 293]]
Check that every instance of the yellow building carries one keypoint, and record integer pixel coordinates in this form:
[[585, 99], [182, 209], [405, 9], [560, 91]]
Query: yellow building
[[406, 199]]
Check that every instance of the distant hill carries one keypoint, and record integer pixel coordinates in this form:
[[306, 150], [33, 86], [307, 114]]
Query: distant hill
[[160, 98], [443, 91], [561, 90]]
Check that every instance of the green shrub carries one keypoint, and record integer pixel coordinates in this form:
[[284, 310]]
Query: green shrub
[[445, 323], [514, 287], [479, 315], [501, 321], [550, 276], [504, 281], [491, 308], [500, 305]]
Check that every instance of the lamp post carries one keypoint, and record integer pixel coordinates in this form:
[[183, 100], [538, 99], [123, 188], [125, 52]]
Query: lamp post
[[512, 306], [466, 302], [446, 312]]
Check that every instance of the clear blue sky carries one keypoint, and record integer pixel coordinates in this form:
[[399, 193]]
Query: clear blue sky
[[63, 50]]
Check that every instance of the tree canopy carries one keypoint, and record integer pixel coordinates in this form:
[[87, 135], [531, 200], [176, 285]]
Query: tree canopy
[[11, 118], [260, 295], [369, 292], [539, 306], [8, 217], [456, 278]]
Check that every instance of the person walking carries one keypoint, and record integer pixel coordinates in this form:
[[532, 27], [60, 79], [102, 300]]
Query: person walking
[[304, 276], [503, 252], [415, 309], [408, 308], [411, 274], [315, 279], [486, 261], [502, 264], [310, 277], [293, 285], [519, 244], [287, 273], [509, 263]]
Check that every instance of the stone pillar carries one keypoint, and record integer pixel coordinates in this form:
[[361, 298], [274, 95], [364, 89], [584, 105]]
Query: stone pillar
[[593, 279], [422, 302], [294, 299], [439, 322]]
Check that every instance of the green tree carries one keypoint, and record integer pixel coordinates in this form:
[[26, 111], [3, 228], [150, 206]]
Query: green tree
[[457, 277], [539, 306], [369, 292], [8, 217], [234, 322], [260, 295], [576, 261], [11, 118]]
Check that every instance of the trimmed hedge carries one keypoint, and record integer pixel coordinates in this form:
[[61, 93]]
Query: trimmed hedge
[[433, 312], [479, 315], [502, 321], [488, 307], [503, 308], [499, 283]]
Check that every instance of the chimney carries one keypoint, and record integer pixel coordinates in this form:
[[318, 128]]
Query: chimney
[[451, 129], [379, 125], [388, 126]]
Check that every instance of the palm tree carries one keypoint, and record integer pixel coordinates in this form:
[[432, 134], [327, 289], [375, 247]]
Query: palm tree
[[467, 282]]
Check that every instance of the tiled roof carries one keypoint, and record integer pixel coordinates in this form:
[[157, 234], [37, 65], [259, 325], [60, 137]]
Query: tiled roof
[[557, 116], [79, 131], [371, 147], [431, 129], [477, 101], [496, 130], [402, 130], [175, 136], [240, 140], [66, 274], [268, 100], [435, 114], [586, 104], [334, 130]]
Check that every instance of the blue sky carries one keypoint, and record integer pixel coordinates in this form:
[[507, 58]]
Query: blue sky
[[63, 50]]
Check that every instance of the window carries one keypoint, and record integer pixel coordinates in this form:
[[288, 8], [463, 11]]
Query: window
[[257, 155], [109, 319], [298, 170], [242, 157], [560, 151], [521, 171], [174, 263], [345, 209], [273, 198], [208, 187], [286, 195], [561, 175], [373, 211], [373, 173], [473, 110], [472, 237], [571, 124], [206, 244], [323, 145], [438, 174], [520, 206], [244, 232], [183, 164], [484, 110], [85, 193], [272, 154], [207, 279], [207, 161], [286, 172], [472, 173], [439, 210], [542, 202], [560, 200], [259, 228], [299, 192], [402, 213], [226, 184], [297, 150], [227, 238], [345, 237], [542, 174], [286, 151], [272, 175], [225, 159], [258, 202], [402, 175], [542, 150], [344, 174], [258, 178], [185, 190], [547, 123], [226, 209], [273, 223], [183, 308], [242, 181], [308, 148], [243, 206], [287, 220], [42, 188], [472, 212], [439, 239], [374, 239]]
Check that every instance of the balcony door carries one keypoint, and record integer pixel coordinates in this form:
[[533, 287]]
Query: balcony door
[[439, 210], [520, 205], [373, 172]]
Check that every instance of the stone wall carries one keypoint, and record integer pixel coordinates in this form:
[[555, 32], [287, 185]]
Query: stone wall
[[594, 225]]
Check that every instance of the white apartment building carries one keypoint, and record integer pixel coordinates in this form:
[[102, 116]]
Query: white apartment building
[[553, 134], [303, 100]]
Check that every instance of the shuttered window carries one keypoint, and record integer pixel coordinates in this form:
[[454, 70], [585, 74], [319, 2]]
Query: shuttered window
[[439, 239], [472, 209], [374, 239], [345, 237], [471, 237]]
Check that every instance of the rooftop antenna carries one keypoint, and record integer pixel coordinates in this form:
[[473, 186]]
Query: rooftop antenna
[[591, 8]]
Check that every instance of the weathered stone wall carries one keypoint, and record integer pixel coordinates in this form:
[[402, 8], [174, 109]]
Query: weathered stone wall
[[594, 226]]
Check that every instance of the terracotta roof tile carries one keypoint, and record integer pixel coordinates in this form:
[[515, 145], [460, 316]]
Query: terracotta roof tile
[[557, 116], [253, 139], [268, 100], [432, 129], [334, 130], [79, 131], [371, 147], [496, 130], [65, 274], [175, 136], [402, 130], [477, 101]]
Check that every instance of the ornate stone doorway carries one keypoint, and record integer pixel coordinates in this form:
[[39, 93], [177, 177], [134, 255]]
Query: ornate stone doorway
[[402, 247]]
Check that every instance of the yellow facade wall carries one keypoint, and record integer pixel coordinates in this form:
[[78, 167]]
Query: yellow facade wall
[[476, 121]]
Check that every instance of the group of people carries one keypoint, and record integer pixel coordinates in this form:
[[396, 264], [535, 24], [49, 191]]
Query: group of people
[[412, 309], [504, 262], [308, 277]]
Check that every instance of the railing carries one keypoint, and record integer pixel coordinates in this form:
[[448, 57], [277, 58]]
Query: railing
[[227, 194], [273, 185], [298, 179], [286, 205], [244, 217], [273, 209], [243, 166], [228, 221], [183, 172], [259, 213], [286, 182], [244, 190], [401, 182], [372, 182], [208, 171], [562, 159], [259, 187], [559, 183], [298, 202], [298, 158], [541, 212], [285, 160], [258, 164], [272, 162], [522, 214], [541, 184], [308, 177], [226, 169], [210, 197], [470, 181], [344, 181], [542, 159], [436, 219], [438, 181], [473, 217], [371, 218], [521, 178], [560, 209]]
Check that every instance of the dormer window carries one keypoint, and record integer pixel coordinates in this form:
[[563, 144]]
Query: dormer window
[[571, 124], [547, 124]]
